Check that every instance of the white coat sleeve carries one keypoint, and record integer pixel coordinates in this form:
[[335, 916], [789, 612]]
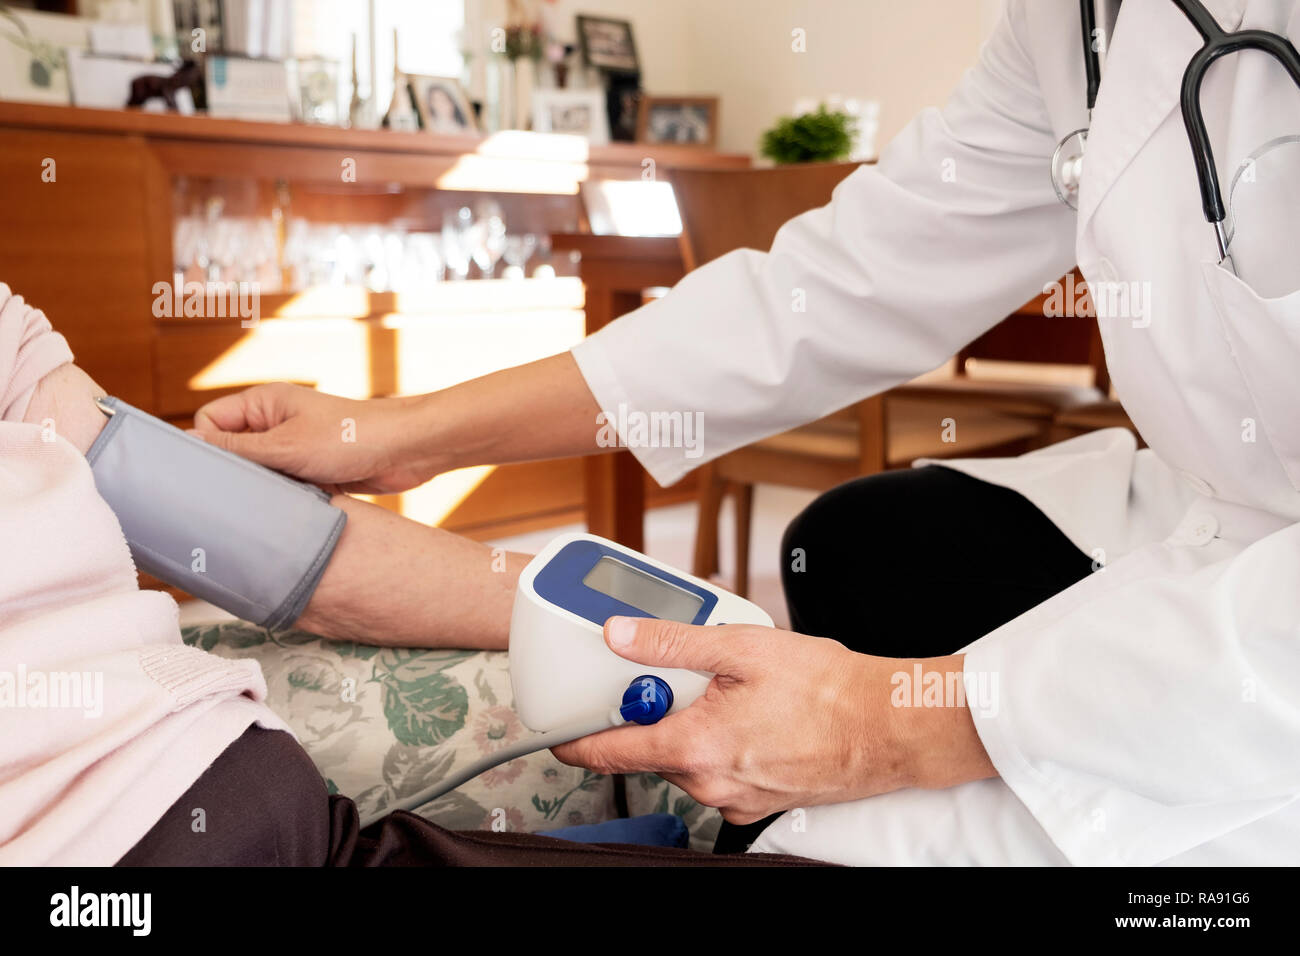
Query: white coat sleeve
[[954, 228], [1153, 706]]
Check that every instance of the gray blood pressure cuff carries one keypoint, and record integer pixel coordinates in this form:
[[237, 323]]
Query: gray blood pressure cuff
[[218, 526]]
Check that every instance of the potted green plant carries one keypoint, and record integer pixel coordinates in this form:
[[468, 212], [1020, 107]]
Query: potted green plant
[[822, 136]]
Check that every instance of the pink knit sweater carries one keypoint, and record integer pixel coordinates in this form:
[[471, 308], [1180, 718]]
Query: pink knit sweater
[[106, 718]]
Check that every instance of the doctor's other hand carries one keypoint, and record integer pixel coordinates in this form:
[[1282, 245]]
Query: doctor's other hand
[[338, 443], [788, 721]]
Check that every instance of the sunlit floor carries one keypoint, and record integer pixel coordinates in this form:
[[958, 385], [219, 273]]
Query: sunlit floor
[[670, 537]]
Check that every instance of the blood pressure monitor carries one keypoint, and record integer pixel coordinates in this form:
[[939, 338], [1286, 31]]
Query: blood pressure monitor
[[560, 667]]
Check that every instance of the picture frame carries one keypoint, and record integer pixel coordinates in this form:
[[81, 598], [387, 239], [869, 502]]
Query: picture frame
[[247, 89], [607, 44], [442, 104], [574, 112], [33, 54], [314, 82], [678, 120]]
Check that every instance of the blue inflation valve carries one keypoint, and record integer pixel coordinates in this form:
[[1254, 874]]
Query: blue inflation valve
[[646, 700]]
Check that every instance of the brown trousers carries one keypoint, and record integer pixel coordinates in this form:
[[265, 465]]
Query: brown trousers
[[263, 803]]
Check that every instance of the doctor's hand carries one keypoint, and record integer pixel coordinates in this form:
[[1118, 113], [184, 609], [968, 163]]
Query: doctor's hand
[[340, 444], [543, 409], [788, 721]]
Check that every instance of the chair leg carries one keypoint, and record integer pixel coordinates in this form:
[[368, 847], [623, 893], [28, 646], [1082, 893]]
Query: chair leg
[[709, 506], [744, 518]]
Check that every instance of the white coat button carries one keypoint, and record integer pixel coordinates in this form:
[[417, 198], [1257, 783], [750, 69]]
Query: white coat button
[[1202, 530], [1200, 484]]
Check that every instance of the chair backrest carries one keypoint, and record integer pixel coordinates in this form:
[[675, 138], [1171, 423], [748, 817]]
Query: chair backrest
[[1030, 335], [724, 210]]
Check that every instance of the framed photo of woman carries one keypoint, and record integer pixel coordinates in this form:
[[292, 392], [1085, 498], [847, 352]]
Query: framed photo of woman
[[442, 104]]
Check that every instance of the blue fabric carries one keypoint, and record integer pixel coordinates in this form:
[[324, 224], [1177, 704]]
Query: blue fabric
[[653, 829]]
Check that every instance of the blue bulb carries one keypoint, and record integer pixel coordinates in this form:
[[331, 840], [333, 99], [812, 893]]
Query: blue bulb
[[646, 700]]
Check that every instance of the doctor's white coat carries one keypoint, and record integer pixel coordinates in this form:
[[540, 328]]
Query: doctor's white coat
[[1151, 713]]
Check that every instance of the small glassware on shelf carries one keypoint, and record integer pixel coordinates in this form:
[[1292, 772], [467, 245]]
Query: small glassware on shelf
[[489, 237], [518, 250], [457, 242], [544, 268], [422, 261], [211, 247]]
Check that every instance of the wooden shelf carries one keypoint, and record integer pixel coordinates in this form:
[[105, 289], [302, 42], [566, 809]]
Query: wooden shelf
[[170, 126]]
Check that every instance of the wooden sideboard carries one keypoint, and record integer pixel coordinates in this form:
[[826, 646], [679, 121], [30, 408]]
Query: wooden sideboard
[[89, 201]]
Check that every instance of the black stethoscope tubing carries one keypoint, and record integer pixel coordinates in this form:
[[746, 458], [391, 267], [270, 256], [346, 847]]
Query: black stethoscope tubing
[[1217, 43]]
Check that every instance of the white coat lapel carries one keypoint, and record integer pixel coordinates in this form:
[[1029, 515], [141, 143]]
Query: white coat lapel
[[1140, 86]]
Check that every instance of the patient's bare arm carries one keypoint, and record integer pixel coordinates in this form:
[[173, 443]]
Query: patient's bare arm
[[395, 581], [66, 398]]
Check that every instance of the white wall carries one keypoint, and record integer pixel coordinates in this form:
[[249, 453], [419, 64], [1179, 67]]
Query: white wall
[[907, 54]]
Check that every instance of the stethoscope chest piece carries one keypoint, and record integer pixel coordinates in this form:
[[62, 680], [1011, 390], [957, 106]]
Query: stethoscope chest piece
[[1067, 167]]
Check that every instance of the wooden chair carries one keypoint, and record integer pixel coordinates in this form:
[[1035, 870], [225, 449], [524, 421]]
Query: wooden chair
[[727, 210]]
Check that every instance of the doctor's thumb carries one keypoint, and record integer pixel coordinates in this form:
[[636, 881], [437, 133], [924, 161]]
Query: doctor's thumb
[[648, 640]]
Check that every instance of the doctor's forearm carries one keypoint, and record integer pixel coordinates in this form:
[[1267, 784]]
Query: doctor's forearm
[[941, 744], [540, 410]]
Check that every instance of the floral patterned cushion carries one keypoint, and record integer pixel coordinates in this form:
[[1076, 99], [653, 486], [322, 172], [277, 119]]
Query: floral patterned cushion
[[383, 723]]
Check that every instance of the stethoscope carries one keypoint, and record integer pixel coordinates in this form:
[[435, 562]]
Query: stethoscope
[[1067, 161]]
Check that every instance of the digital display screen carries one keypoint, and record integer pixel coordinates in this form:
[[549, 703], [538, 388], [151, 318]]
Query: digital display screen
[[645, 592]]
